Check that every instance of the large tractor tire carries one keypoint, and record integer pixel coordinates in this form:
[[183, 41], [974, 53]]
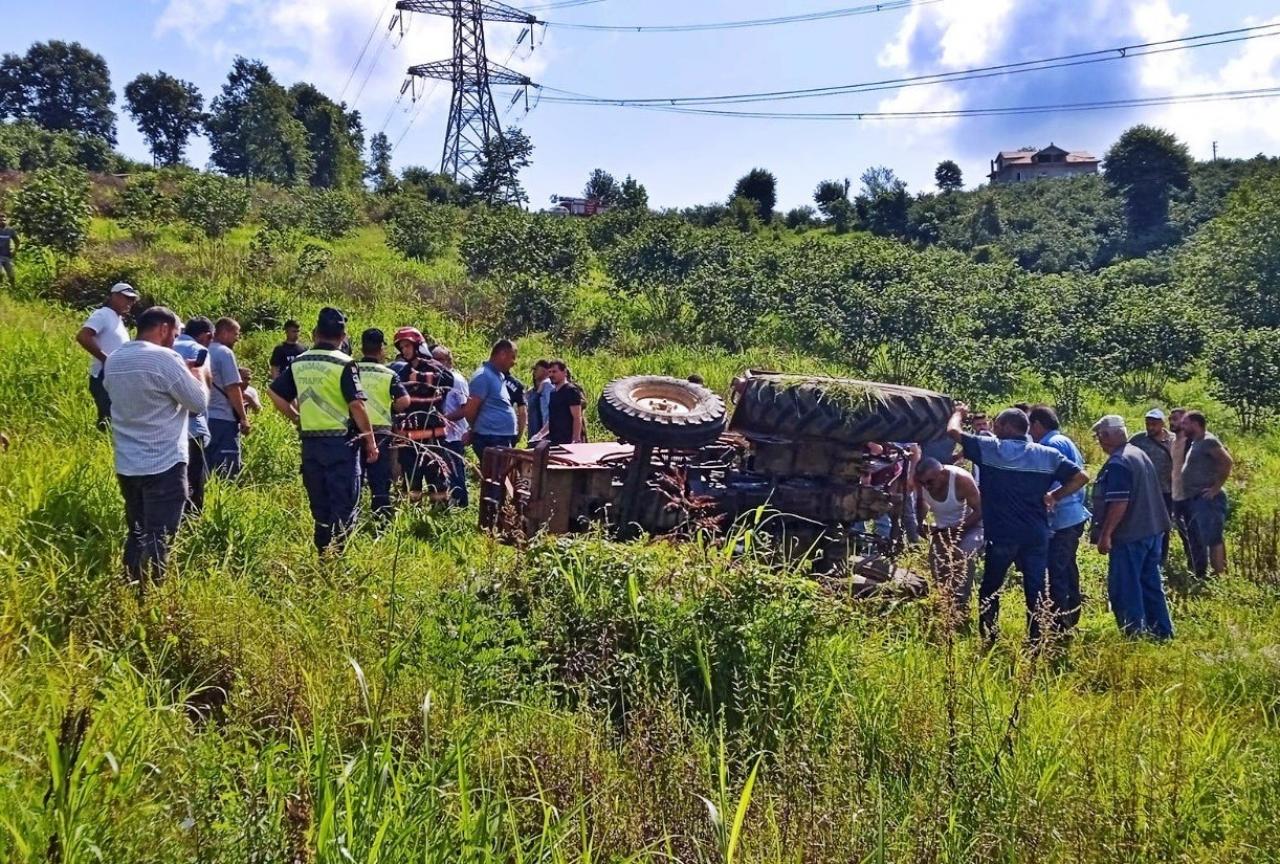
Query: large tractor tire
[[662, 412], [839, 410]]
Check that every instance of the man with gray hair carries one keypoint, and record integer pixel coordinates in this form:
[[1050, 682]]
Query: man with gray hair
[[1018, 490], [1130, 522], [456, 431]]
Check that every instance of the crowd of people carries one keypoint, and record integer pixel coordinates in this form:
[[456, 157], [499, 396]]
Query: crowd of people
[[1023, 505], [179, 404]]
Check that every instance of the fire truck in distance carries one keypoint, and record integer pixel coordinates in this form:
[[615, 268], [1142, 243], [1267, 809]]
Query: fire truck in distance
[[565, 206]]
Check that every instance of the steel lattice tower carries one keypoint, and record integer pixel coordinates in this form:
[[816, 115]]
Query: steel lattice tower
[[473, 119]]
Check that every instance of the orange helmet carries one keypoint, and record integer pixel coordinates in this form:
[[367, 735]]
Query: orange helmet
[[411, 334]]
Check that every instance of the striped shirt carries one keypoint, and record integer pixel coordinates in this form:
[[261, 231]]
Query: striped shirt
[[152, 396]]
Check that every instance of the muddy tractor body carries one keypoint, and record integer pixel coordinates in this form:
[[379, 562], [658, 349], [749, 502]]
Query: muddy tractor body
[[818, 465]]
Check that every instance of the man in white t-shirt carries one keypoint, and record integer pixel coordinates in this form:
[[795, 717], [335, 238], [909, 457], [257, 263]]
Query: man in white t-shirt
[[102, 333], [955, 538]]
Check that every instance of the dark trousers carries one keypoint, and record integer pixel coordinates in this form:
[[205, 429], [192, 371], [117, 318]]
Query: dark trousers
[[378, 475], [223, 451], [6, 264], [331, 476], [1135, 590], [197, 476], [454, 453], [1064, 576], [101, 400], [480, 442], [1205, 520], [153, 506], [1031, 559]]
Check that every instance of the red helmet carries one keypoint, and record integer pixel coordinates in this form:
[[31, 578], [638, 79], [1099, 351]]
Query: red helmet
[[412, 334]]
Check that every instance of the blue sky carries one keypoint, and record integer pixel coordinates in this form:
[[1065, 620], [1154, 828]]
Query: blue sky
[[690, 159]]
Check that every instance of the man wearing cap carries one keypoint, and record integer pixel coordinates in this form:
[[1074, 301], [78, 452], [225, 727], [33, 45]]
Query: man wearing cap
[[1066, 521], [1019, 484], [331, 417], [1130, 521], [385, 396], [282, 355], [427, 383], [1157, 442], [102, 333]]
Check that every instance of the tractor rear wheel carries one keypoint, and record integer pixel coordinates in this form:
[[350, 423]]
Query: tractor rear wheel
[[662, 412]]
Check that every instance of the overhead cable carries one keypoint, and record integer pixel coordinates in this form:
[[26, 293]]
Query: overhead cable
[[846, 12], [1105, 55]]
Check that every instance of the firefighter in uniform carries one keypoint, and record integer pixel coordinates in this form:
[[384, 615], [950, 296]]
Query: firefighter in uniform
[[321, 393], [427, 382], [385, 396]]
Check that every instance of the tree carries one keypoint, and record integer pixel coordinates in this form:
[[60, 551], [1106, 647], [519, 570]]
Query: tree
[[1243, 368], [60, 86], [417, 229], [633, 195], [884, 204], [948, 176], [801, 217], [335, 138], [744, 214], [760, 187], [252, 130], [503, 158], [52, 210], [828, 193], [878, 180], [436, 187], [168, 112], [1145, 167], [602, 187], [213, 204], [379, 168]]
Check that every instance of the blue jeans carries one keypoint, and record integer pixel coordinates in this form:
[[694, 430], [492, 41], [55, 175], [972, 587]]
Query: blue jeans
[[153, 507], [480, 443], [453, 453], [1032, 560], [223, 450], [1135, 590]]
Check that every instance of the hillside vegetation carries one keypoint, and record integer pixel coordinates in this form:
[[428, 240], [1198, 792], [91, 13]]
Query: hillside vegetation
[[434, 696]]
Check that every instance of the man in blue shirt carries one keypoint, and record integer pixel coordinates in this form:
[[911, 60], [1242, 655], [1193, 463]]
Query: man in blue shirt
[[193, 346], [1018, 489], [1130, 529], [488, 408], [1067, 522]]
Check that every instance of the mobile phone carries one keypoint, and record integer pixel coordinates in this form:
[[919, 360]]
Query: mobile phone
[[201, 357]]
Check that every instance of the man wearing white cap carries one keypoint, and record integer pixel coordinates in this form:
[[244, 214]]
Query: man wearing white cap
[[102, 333], [1157, 443], [1130, 519]]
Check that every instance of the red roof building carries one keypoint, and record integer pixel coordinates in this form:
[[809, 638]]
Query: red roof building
[[1020, 166]]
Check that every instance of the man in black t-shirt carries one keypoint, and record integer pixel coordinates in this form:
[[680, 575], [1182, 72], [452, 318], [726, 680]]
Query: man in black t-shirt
[[8, 248], [284, 353], [564, 421]]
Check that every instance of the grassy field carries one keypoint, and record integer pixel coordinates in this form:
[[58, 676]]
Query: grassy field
[[434, 696]]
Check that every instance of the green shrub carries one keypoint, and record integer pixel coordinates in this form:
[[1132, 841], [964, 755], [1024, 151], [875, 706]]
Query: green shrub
[[507, 242], [1244, 366], [84, 283], [533, 303], [52, 210], [213, 204], [331, 213], [417, 229], [144, 208]]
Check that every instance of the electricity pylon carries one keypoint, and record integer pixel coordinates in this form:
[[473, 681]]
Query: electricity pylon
[[473, 119]]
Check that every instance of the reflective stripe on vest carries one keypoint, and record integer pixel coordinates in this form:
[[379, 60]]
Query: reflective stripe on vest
[[322, 409], [375, 380]]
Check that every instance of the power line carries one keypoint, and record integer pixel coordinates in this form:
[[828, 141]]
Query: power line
[[377, 56], [372, 32], [847, 12], [1134, 102], [1085, 58], [567, 4]]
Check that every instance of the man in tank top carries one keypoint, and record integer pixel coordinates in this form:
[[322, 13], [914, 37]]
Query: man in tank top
[[955, 537]]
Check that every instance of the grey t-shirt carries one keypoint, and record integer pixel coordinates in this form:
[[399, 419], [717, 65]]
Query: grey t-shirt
[[1161, 457], [1129, 477], [226, 373], [1201, 469]]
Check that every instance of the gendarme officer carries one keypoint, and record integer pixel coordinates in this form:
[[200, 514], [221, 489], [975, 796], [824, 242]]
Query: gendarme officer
[[320, 392]]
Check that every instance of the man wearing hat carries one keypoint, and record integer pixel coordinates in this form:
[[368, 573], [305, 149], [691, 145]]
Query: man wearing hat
[[102, 333], [331, 417], [1157, 443], [1130, 520], [385, 396]]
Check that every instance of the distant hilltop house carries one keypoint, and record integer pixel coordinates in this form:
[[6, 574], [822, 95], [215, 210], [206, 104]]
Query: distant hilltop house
[[1019, 166]]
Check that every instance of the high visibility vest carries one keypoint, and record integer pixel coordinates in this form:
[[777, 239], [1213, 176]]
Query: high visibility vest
[[322, 409], [375, 380]]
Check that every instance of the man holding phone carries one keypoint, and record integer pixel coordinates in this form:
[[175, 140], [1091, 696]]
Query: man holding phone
[[193, 347]]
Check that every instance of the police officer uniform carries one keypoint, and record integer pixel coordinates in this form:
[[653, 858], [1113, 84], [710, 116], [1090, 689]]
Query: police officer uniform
[[323, 382], [382, 387]]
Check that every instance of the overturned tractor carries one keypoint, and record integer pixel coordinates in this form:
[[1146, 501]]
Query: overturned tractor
[[817, 465]]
